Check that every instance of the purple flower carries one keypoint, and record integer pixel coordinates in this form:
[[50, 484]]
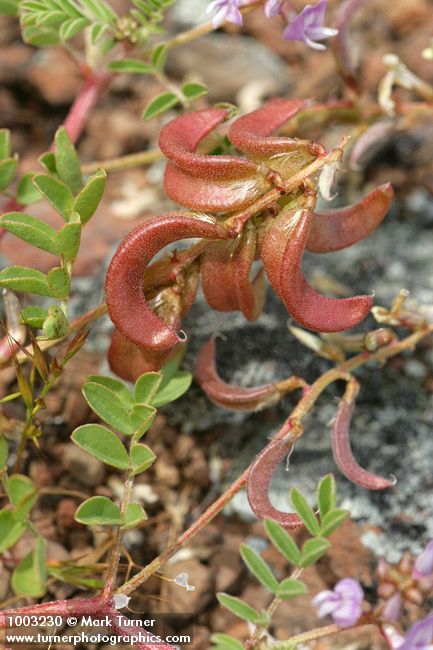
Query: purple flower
[[226, 10], [308, 26], [344, 603], [419, 636], [392, 609], [423, 566], [272, 8]]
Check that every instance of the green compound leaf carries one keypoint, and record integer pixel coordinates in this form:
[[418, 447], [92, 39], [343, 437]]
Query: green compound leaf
[[70, 28], [67, 162], [27, 193], [116, 386], [98, 511], [11, 529], [57, 194], [326, 495], [332, 520], [31, 230], [174, 389], [291, 588], [194, 90], [110, 408], [142, 417], [142, 457], [8, 170], [22, 494], [48, 161], [313, 550], [56, 325], [283, 542], [4, 452], [241, 609], [305, 511], [30, 576], [33, 316], [146, 387], [59, 282], [102, 444], [68, 239], [135, 515], [38, 36], [225, 642], [135, 66], [159, 56], [90, 196], [21, 278], [259, 568], [159, 105]]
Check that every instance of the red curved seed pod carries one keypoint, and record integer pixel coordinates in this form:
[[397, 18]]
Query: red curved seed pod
[[276, 231], [179, 138], [129, 361], [309, 308], [198, 193], [343, 456], [259, 480], [225, 271], [251, 133], [126, 303], [332, 230], [231, 397]]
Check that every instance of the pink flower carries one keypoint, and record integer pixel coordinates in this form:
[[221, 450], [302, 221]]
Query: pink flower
[[344, 603], [392, 608], [423, 566], [226, 10], [308, 26]]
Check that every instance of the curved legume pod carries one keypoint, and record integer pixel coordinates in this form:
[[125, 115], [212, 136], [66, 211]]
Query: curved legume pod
[[231, 397], [251, 133], [309, 308], [179, 138], [126, 303], [128, 361], [259, 480], [343, 455], [276, 232], [217, 195], [225, 271], [332, 230]]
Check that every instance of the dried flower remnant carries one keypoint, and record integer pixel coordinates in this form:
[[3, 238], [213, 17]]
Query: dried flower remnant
[[308, 26], [15, 332], [343, 603], [399, 75]]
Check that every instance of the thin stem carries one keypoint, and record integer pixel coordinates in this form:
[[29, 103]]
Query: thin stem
[[121, 163], [113, 564], [307, 636], [272, 608], [78, 115], [206, 28]]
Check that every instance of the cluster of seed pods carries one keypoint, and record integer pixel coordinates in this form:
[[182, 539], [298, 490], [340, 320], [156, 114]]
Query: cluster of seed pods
[[146, 301]]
